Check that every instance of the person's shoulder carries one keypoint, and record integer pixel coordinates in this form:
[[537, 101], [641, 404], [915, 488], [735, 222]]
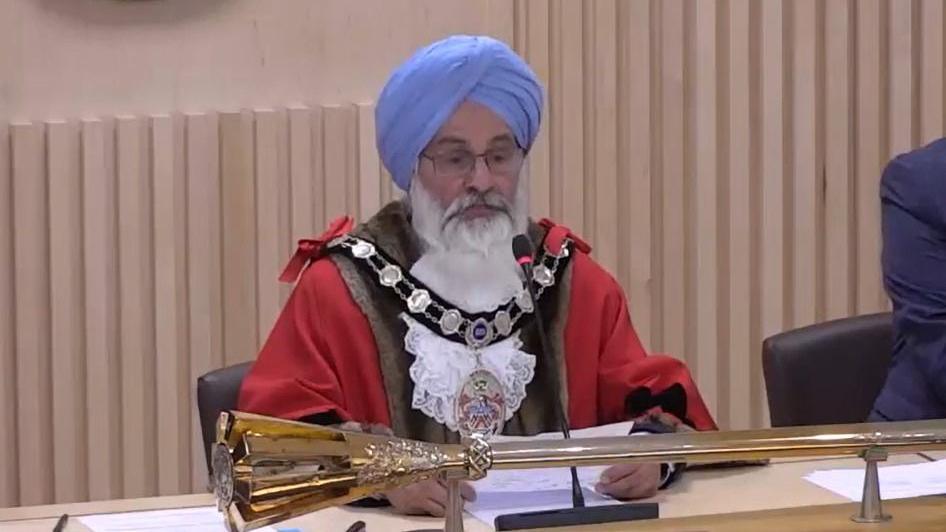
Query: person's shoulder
[[310, 262], [916, 180], [586, 272], [921, 169]]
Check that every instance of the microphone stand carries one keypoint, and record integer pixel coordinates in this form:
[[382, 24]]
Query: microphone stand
[[578, 498], [579, 513]]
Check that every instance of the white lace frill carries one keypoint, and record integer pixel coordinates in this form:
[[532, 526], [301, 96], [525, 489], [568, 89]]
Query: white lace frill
[[441, 366]]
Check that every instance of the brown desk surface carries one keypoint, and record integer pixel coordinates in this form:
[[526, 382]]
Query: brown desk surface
[[913, 515], [699, 493], [936, 455]]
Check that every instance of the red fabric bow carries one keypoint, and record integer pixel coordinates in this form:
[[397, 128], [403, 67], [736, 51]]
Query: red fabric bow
[[310, 249], [557, 234]]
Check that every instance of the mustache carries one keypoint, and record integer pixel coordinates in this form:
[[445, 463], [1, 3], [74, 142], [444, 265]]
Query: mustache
[[490, 200]]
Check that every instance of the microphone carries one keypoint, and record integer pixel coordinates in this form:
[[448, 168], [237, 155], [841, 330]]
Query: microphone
[[522, 250], [579, 514]]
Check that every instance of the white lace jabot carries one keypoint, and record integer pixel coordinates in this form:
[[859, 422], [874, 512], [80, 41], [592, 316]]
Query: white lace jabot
[[441, 366]]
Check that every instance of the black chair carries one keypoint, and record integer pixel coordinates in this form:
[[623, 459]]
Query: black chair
[[827, 373], [217, 391]]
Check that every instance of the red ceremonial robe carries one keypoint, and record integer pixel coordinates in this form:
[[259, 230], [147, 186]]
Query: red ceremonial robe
[[322, 357]]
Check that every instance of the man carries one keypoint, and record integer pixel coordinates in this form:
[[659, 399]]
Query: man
[[913, 200], [417, 321]]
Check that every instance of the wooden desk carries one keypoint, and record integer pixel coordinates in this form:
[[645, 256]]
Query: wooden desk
[[699, 493], [936, 455], [910, 515]]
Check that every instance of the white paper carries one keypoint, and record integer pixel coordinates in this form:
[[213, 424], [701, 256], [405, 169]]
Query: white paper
[[896, 481], [528, 490], [201, 519]]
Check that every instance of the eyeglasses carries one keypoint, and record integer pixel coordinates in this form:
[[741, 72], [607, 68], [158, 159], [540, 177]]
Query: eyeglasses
[[461, 162]]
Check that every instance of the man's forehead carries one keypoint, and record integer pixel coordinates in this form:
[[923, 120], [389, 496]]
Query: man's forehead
[[454, 140]]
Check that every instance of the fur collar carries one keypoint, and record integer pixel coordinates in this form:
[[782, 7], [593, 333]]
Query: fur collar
[[390, 229]]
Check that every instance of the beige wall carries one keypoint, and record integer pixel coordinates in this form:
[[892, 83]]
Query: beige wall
[[87, 58], [162, 156]]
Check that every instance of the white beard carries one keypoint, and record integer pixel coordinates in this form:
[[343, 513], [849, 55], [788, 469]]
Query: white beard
[[469, 263]]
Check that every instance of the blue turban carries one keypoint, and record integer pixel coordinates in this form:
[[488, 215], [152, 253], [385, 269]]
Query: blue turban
[[423, 93]]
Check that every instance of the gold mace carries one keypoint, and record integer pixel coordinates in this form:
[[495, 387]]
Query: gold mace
[[267, 470]]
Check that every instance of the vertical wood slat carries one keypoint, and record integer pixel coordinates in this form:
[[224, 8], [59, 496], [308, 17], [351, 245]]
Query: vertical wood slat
[[740, 261], [136, 278], [103, 355], [172, 367], [31, 274], [588, 37], [671, 234], [272, 213], [301, 178], [870, 150], [570, 74], [238, 223], [317, 148], [839, 212], [66, 304], [901, 116], [204, 268], [338, 150], [772, 255], [537, 53], [704, 176], [566, 112], [369, 164], [601, 209], [9, 489], [932, 90], [634, 167], [806, 166]]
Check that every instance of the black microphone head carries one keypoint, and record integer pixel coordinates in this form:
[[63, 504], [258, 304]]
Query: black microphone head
[[522, 248]]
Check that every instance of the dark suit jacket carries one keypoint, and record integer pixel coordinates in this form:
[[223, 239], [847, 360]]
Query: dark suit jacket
[[913, 202]]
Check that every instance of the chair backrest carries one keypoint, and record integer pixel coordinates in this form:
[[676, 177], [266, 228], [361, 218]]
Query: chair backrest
[[829, 372], [217, 391]]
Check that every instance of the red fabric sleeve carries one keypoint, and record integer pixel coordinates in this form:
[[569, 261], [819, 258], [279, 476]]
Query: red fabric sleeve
[[629, 382], [319, 357]]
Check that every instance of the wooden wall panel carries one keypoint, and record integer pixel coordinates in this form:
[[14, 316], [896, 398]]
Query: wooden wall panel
[[839, 156], [101, 313], [738, 266], [932, 98], [671, 204], [136, 306], [806, 175], [722, 158], [32, 311], [601, 90], [902, 76], [66, 304], [870, 148], [533, 40], [338, 128], [368, 172], [703, 177], [567, 111], [9, 489], [238, 220], [172, 358], [635, 168], [272, 212], [204, 268]]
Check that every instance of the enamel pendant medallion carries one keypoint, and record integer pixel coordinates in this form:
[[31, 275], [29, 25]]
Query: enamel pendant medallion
[[480, 405]]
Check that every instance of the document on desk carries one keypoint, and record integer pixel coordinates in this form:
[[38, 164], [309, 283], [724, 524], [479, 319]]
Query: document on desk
[[896, 481], [201, 519], [529, 490]]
